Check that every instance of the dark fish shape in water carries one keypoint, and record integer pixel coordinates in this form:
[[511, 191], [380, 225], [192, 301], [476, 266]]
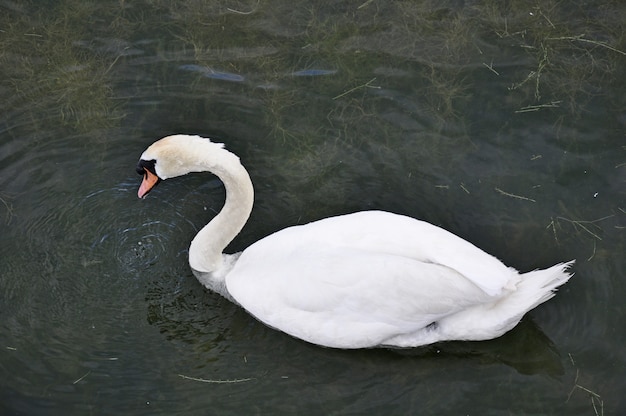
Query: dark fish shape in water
[[314, 72], [212, 73]]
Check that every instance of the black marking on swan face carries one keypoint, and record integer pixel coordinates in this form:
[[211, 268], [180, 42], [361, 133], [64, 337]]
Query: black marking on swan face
[[146, 165]]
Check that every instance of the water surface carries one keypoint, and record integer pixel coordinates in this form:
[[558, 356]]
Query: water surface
[[501, 123]]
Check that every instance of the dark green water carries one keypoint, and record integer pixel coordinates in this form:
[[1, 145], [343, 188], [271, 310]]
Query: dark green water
[[504, 123]]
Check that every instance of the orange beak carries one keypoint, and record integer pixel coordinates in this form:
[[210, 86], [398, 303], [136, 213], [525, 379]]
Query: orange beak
[[149, 181]]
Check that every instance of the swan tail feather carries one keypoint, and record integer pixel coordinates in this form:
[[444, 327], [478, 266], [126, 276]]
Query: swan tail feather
[[533, 289], [538, 286]]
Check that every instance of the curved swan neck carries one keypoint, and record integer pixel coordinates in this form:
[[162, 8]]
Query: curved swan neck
[[205, 252]]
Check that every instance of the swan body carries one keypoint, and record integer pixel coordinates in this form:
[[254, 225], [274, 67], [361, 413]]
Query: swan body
[[360, 280]]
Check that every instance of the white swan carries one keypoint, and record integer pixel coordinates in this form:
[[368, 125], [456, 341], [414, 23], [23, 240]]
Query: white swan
[[361, 280]]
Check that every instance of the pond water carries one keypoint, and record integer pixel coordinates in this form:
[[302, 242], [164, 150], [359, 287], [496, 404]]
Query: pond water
[[503, 123]]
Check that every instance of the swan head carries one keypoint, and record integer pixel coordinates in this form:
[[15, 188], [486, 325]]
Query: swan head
[[173, 156], [147, 168]]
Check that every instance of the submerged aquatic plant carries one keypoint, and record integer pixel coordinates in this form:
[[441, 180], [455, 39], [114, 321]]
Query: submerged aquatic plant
[[58, 75]]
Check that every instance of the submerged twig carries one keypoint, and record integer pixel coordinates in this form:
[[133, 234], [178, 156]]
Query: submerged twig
[[202, 380], [554, 231], [81, 378], [592, 394], [594, 251], [366, 85], [244, 13], [580, 38], [115, 61], [490, 67], [530, 76], [514, 196], [581, 224], [529, 108]]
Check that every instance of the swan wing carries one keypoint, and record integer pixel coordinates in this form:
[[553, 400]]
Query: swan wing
[[332, 284], [349, 298], [384, 232]]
